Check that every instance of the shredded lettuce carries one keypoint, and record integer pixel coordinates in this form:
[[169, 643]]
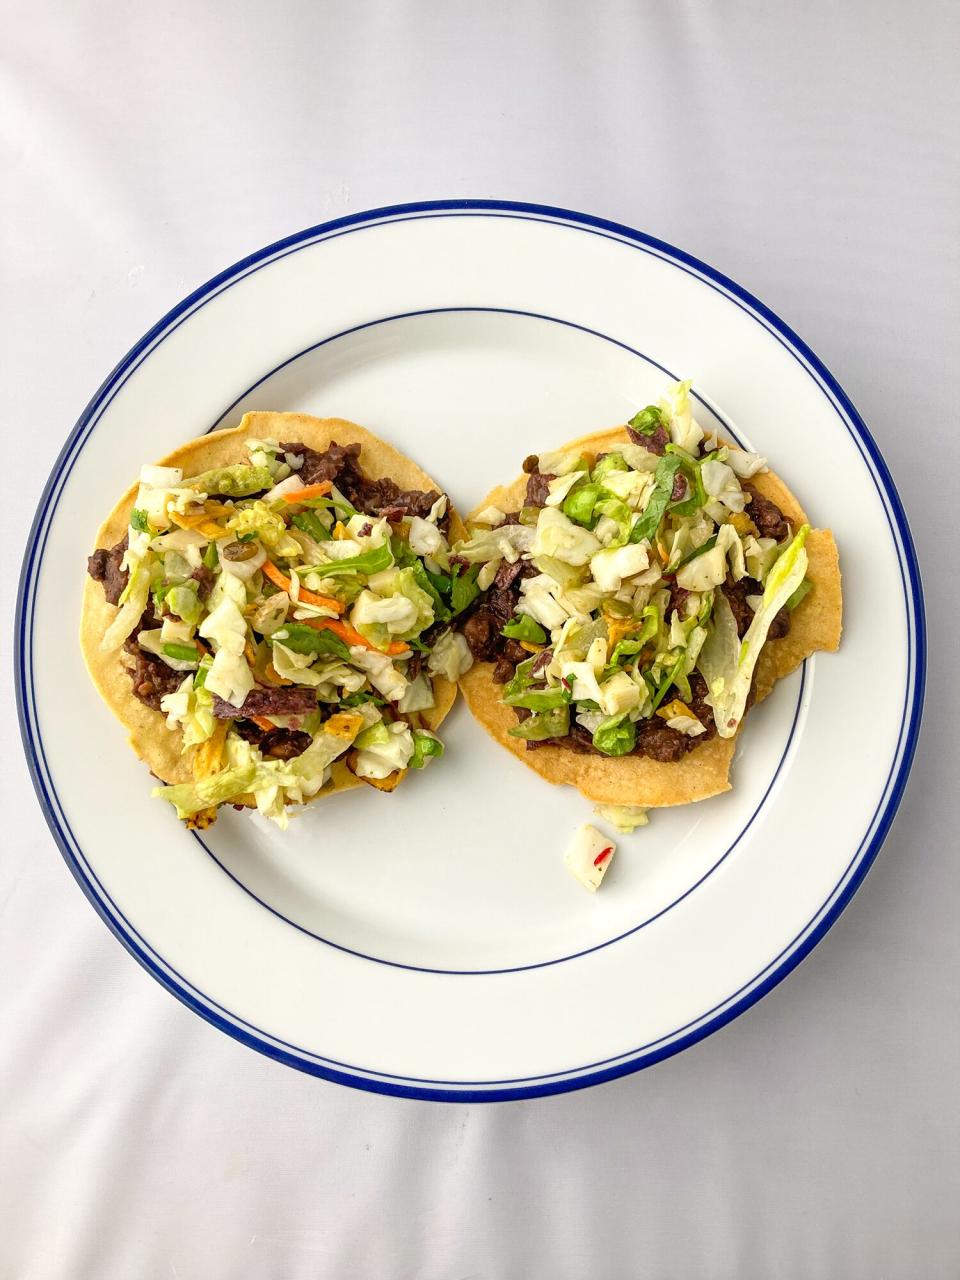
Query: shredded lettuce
[[616, 736], [539, 699], [229, 677], [128, 615], [799, 595], [273, 782], [426, 746], [505, 543], [558, 536], [703, 571], [579, 505], [647, 420], [189, 798], [554, 723], [524, 628], [676, 410], [450, 657], [649, 522], [260, 521], [611, 566], [521, 679], [425, 538], [368, 562], [303, 639], [291, 664], [381, 672], [185, 603], [309, 522], [728, 665], [398, 608], [463, 589], [383, 749], [418, 696], [609, 462]]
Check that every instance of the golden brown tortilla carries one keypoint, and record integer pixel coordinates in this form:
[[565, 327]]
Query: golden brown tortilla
[[155, 744], [635, 780]]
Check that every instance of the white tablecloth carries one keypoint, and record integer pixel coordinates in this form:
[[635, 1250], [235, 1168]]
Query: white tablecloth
[[809, 151]]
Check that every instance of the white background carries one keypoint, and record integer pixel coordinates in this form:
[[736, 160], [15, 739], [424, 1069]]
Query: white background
[[807, 151]]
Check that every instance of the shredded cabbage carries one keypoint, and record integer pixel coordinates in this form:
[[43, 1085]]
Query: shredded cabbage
[[610, 567], [505, 543], [559, 537], [418, 696], [229, 676], [381, 672], [450, 657], [379, 754], [683, 428], [128, 615], [727, 664]]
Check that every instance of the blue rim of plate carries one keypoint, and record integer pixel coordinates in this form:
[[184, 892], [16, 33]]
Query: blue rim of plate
[[733, 1005]]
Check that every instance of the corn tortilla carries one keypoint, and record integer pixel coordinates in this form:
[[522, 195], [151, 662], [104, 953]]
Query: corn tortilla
[[636, 780], [155, 744]]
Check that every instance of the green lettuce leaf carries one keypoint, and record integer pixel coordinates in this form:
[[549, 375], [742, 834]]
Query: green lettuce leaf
[[303, 639], [463, 588], [727, 666], [368, 562], [525, 628], [545, 724], [615, 736], [649, 522], [647, 420], [425, 746]]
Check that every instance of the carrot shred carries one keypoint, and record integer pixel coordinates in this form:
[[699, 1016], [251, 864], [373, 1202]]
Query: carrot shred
[[308, 491], [351, 636], [263, 723], [280, 579]]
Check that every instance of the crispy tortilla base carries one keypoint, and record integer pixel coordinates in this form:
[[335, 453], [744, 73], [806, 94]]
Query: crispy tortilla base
[[636, 780], [154, 743]]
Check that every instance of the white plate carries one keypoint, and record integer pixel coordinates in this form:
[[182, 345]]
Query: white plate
[[430, 943]]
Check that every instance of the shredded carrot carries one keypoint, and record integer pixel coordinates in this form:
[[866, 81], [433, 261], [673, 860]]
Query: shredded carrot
[[263, 723], [249, 653], [280, 579], [308, 491], [350, 636]]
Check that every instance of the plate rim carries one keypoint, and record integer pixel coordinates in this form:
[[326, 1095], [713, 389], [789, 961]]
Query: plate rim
[[783, 964]]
